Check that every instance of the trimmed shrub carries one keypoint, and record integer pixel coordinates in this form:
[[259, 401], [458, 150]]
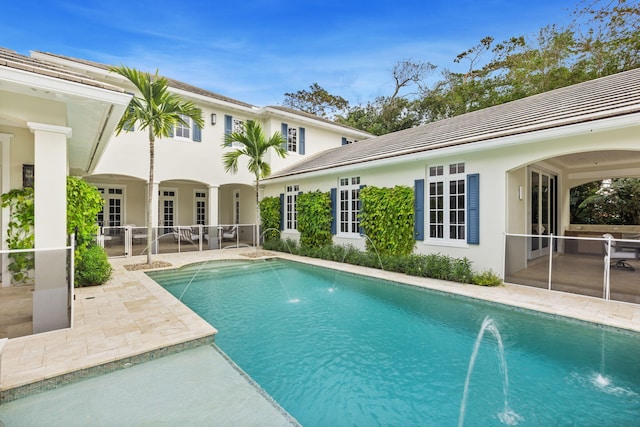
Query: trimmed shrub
[[93, 268], [486, 278], [314, 219]]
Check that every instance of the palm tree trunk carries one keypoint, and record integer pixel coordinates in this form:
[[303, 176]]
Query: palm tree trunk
[[257, 212], [150, 195]]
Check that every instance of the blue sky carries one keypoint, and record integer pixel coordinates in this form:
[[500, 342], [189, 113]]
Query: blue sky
[[256, 51]]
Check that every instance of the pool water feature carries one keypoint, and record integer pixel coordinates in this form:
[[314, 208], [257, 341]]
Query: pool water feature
[[361, 351]]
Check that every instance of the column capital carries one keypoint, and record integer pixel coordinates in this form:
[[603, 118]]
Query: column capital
[[5, 136], [33, 127]]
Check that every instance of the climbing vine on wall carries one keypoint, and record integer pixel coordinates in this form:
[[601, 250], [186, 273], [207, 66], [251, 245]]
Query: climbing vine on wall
[[270, 215], [314, 219], [387, 218]]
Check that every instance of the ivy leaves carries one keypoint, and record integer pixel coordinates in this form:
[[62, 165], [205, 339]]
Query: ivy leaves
[[387, 218]]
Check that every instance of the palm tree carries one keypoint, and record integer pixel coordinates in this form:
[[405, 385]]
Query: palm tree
[[157, 110], [254, 146]]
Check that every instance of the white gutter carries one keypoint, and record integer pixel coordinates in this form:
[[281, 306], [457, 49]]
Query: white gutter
[[460, 147]]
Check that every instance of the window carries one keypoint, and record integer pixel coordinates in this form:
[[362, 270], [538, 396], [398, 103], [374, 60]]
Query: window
[[291, 197], [188, 131], [111, 214], [234, 125], [200, 207], [349, 202], [447, 206], [292, 140], [236, 207], [347, 141], [181, 130]]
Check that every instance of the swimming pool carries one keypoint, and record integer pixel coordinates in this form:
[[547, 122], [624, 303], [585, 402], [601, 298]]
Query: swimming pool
[[338, 349]]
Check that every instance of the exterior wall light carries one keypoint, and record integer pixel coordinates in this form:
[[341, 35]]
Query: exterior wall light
[[214, 118]]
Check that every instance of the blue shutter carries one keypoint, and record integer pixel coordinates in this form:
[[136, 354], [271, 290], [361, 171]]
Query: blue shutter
[[418, 209], [344, 141], [282, 211], [197, 133], [334, 219], [473, 209], [228, 124], [284, 130], [301, 140], [361, 229]]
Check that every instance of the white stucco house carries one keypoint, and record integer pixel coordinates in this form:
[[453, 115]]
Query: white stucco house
[[482, 175], [192, 188]]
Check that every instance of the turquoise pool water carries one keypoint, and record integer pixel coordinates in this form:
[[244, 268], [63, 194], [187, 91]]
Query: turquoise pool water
[[335, 349]]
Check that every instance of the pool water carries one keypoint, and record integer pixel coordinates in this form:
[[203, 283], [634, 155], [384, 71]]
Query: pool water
[[339, 349]]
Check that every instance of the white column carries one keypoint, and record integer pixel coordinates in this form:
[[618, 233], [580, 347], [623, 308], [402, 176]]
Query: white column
[[213, 205], [213, 218], [51, 298], [5, 140], [155, 216]]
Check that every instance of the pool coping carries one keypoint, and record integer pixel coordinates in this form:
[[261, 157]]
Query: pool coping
[[40, 362]]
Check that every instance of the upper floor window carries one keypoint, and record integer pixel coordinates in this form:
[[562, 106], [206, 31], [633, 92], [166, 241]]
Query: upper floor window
[[233, 125], [294, 138], [349, 204], [447, 195], [187, 130], [183, 131]]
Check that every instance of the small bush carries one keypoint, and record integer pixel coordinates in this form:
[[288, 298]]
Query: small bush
[[93, 268], [486, 278]]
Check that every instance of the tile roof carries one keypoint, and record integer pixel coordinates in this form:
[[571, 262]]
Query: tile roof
[[314, 117], [614, 95], [172, 82], [12, 59]]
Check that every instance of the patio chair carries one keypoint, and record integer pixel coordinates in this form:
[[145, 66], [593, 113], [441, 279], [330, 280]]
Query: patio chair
[[137, 235], [186, 234], [618, 258], [229, 233]]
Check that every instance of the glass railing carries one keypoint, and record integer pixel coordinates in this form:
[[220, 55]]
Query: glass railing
[[131, 240], [607, 268], [37, 291]]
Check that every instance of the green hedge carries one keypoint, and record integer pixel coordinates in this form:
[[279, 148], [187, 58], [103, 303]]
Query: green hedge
[[435, 266], [314, 219], [387, 219], [270, 215]]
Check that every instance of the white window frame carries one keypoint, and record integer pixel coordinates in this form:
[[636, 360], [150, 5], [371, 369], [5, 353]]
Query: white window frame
[[446, 203], [348, 206], [291, 207], [237, 197], [119, 192], [200, 195], [182, 132], [161, 197], [237, 126], [292, 139]]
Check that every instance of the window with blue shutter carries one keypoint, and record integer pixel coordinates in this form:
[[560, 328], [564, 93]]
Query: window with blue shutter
[[334, 210], [301, 133], [197, 133], [473, 209], [418, 209], [228, 124], [284, 130]]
